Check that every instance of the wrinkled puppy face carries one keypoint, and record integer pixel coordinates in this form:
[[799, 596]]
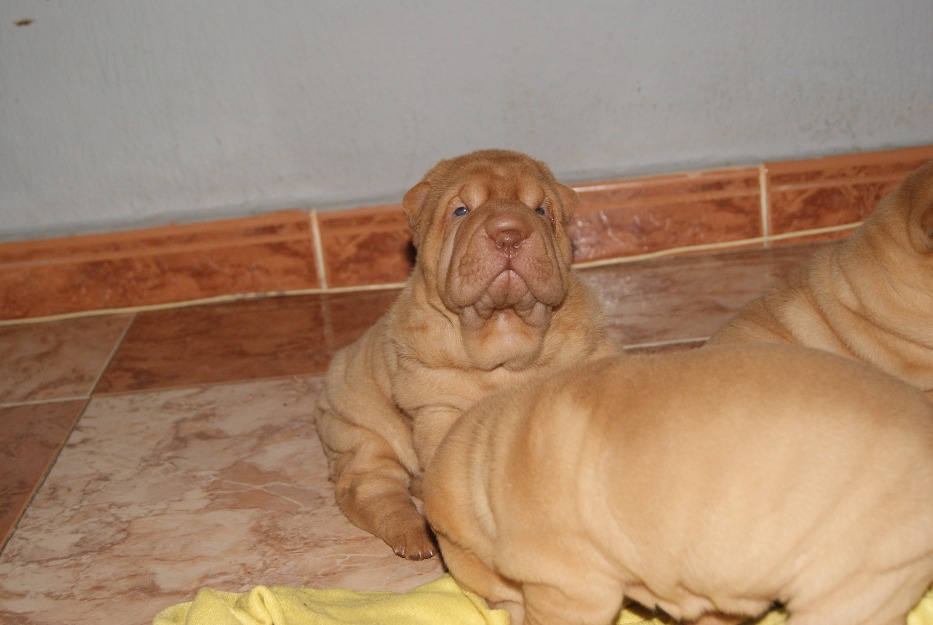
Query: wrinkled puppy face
[[490, 228]]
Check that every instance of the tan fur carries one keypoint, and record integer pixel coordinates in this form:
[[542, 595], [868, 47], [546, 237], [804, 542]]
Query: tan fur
[[869, 297], [491, 301], [708, 483]]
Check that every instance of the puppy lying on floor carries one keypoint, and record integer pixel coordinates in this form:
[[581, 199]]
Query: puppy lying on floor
[[491, 301], [869, 297], [709, 483]]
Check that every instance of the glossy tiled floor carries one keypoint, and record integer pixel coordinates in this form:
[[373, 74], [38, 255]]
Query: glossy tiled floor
[[145, 456]]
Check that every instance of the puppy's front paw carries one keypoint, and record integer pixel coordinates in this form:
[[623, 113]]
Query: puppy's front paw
[[409, 536]]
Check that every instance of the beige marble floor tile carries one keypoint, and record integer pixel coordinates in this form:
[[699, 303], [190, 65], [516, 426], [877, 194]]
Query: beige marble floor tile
[[58, 359], [158, 494]]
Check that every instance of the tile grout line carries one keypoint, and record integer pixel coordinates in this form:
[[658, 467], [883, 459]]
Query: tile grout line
[[765, 205], [318, 244]]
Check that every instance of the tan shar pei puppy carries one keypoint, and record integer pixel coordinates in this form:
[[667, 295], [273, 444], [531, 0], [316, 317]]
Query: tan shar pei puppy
[[868, 297], [491, 301], [712, 484]]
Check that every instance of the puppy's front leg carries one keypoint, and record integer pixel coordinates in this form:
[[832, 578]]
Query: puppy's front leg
[[372, 477], [378, 501], [430, 425]]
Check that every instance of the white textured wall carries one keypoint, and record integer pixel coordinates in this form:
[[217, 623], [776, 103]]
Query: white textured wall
[[122, 113]]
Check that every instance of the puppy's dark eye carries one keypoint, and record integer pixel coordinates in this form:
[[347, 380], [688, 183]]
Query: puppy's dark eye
[[460, 211], [541, 211]]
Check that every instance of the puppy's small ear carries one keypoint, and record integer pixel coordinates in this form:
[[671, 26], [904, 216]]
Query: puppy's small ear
[[414, 203], [926, 224], [569, 199], [917, 193]]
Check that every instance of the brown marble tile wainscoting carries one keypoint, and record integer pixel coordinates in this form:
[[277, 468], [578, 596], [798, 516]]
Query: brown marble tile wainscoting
[[827, 192], [266, 254], [308, 250], [365, 246], [624, 218]]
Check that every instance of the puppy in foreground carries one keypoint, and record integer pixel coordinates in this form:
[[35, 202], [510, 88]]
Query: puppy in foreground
[[711, 484], [868, 297], [491, 301]]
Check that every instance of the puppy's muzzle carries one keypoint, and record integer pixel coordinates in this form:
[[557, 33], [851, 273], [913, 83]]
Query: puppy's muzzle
[[508, 226]]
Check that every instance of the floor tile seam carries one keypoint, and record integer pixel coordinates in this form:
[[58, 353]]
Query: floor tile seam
[[784, 236]]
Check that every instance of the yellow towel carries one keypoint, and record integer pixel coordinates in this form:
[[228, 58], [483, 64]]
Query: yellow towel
[[440, 601]]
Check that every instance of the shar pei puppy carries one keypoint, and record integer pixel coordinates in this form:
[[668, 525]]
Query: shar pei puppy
[[869, 297], [491, 301], [712, 484]]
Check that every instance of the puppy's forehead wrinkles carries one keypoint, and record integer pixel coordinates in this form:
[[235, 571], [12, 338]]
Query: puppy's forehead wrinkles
[[474, 193], [532, 195], [501, 183]]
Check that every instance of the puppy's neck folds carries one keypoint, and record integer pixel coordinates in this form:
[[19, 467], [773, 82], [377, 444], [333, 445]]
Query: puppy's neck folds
[[508, 338]]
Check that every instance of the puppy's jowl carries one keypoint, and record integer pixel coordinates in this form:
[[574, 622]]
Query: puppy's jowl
[[492, 300]]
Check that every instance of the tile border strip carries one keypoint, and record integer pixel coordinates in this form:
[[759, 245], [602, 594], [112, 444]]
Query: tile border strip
[[265, 234]]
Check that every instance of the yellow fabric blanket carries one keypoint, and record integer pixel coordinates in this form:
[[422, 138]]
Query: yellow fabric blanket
[[440, 601]]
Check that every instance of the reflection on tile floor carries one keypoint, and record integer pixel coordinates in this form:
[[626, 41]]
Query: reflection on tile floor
[[240, 341], [56, 360], [194, 462]]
